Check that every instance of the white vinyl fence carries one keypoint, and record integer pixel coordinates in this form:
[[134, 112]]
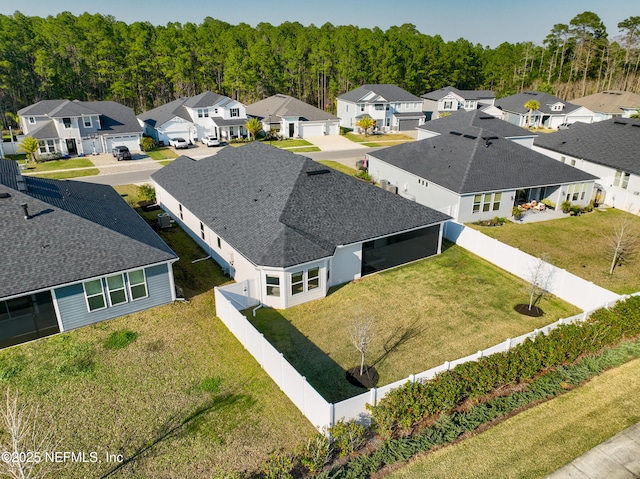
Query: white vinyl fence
[[569, 287]]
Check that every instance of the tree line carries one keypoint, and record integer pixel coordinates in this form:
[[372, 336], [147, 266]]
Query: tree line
[[96, 57]]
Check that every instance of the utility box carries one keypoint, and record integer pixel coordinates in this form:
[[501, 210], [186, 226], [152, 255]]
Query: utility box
[[164, 220]]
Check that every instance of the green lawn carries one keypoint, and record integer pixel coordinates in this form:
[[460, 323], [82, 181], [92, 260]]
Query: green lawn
[[64, 175], [434, 310], [181, 400], [288, 143], [303, 149], [388, 139], [577, 244], [163, 153], [338, 166], [58, 165], [542, 439]]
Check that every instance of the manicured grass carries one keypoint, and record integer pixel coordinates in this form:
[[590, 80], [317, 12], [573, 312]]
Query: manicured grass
[[425, 313], [303, 149], [63, 175], [288, 143], [383, 143], [388, 139], [338, 166], [540, 440], [163, 153], [181, 400], [58, 165], [577, 244]]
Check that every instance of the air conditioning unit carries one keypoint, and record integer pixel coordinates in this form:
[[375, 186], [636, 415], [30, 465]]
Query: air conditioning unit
[[164, 220], [383, 184]]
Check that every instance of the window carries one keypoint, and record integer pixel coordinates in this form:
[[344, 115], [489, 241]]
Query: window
[[66, 122], [496, 201], [313, 278], [563, 159], [387, 107], [203, 113], [387, 122], [32, 120], [379, 106], [273, 285], [477, 199], [621, 179], [234, 112], [47, 146], [297, 282], [201, 230], [488, 201], [180, 212], [94, 295], [115, 286], [361, 105], [448, 105], [557, 107], [469, 104], [215, 110], [137, 284], [573, 162], [87, 122]]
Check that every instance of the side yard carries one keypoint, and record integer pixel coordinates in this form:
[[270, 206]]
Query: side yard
[[578, 244]]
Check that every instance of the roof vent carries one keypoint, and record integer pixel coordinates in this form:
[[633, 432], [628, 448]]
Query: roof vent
[[617, 122], [470, 136], [486, 117], [25, 209], [318, 172], [5, 195], [635, 124], [22, 183], [456, 133]]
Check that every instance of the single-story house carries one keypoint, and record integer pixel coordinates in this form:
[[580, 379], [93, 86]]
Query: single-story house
[[607, 149], [610, 104], [293, 118], [206, 114], [81, 127], [449, 99], [477, 118], [289, 226], [472, 174], [393, 108], [73, 254], [552, 112]]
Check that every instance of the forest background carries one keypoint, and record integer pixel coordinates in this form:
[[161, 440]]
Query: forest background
[[96, 57]]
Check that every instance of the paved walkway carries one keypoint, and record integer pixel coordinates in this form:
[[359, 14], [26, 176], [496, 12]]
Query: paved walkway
[[617, 458]]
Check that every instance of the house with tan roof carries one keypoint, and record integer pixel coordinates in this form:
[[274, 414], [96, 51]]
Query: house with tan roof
[[610, 104]]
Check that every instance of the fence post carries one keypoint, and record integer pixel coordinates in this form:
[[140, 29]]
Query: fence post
[[374, 396], [479, 354], [447, 365], [304, 403], [508, 343], [412, 378], [262, 350], [332, 415]]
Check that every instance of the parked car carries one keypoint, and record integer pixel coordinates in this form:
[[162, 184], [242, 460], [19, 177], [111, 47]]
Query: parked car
[[121, 153], [564, 126], [210, 141], [179, 143]]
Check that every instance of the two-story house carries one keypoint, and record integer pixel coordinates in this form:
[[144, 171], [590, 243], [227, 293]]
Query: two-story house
[[449, 99], [80, 127], [393, 108], [206, 114]]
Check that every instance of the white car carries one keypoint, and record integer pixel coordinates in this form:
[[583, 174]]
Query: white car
[[210, 141], [178, 143]]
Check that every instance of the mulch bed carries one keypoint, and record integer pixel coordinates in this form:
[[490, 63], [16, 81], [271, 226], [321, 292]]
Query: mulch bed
[[534, 312], [368, 379]]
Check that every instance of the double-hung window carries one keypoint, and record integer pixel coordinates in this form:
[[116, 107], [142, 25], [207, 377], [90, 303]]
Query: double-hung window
[[116, 288], [621, 179], [66, 122], [273, 285], [94, 295], [234, 112], [137, 284], [87, 122]]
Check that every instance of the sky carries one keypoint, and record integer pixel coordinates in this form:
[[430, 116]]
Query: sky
[[488, 22]]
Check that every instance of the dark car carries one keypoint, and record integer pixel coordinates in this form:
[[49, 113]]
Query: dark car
[[121, 153]]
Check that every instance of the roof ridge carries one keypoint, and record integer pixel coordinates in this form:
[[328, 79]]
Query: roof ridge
[[472, 158]]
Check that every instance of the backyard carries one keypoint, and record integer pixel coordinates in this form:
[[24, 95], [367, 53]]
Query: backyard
[[577, 244], [425, 313], [184, 399]]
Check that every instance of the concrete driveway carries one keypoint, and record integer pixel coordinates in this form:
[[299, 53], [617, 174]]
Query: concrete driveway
[[334, 143]]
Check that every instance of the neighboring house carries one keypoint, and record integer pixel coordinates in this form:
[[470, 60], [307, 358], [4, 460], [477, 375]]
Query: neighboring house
[[292, 118], [477, 118], [80, 127], [206, 114], [73, 254], [450, 99], [472, 174], [393, 108], [607, 149], [552, 112], [289, 226], [610, 104]]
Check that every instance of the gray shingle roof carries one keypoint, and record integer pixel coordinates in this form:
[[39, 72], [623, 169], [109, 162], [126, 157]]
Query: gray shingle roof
[[463, 119], [159, 116], [515, 103], [463, 163], [40, 108], [610, 102], [280, 105], [383, 92], [75, 231], [46, 131], [614, 143], [261, 201], [466, 94], [203, 100]]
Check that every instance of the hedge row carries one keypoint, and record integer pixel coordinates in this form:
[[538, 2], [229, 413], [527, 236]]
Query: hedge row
[[401, 409]]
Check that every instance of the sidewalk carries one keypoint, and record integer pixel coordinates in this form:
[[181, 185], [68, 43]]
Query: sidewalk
[[616, 458]]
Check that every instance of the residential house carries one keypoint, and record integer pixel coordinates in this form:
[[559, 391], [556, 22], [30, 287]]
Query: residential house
[[610, 104], [472, 174], [206, 114], [393, 108], [449, 99], [80, 127], [73, 254], [477, 118], [552, 111], [293, 118], [290, 227], [607, 149]]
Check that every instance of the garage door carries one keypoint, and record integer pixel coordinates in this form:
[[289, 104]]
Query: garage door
[[311, 130], [131, 142], [404, 125]]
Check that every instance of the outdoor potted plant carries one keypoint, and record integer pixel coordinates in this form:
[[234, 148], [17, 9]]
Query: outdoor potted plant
[[566, 206], [516, 212]]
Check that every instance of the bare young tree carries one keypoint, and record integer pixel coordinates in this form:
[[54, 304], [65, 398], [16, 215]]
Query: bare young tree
[[622, 242], [24, 441], [538, 279], [362, 333]]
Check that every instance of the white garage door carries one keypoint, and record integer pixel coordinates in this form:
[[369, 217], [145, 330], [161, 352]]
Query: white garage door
[[313, 129], [131, 142]]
